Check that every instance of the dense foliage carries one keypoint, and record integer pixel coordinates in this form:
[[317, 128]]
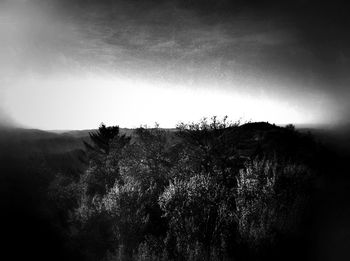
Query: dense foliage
[[212, 190]]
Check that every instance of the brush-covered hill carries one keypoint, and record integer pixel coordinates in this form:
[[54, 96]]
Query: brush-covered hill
[[43, 173]]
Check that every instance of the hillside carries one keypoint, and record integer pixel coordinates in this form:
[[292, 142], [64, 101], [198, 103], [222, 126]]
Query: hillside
[[41, 175]]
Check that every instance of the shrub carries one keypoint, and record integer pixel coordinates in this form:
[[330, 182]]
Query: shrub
[[270, 199], [199, 215]]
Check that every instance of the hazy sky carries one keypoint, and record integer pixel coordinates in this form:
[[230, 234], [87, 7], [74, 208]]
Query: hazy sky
[[74, 64]]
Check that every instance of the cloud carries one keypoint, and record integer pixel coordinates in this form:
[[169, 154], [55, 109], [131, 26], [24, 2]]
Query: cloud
[[288, 50]]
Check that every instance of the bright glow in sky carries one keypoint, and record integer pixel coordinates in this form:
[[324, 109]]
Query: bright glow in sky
[[69, 102], [127, 63]]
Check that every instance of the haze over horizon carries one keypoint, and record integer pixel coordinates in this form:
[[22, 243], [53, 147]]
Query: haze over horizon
[[74, 64]]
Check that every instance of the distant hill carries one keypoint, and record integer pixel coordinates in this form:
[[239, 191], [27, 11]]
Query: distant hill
[[335, 137], [85, 133], [25, 148]]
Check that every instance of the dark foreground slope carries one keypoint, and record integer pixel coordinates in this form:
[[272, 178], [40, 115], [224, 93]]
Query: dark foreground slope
[[30, 159], [333, 226]]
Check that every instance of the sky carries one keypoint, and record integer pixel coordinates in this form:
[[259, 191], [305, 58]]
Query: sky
[[74, 64]]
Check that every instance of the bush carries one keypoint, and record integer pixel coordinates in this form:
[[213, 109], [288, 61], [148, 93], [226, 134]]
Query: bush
[[209, 191], [271, 198], [199, 215]]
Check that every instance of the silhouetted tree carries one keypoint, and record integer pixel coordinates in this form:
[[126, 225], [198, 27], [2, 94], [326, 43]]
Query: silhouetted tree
[[103, 168]]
